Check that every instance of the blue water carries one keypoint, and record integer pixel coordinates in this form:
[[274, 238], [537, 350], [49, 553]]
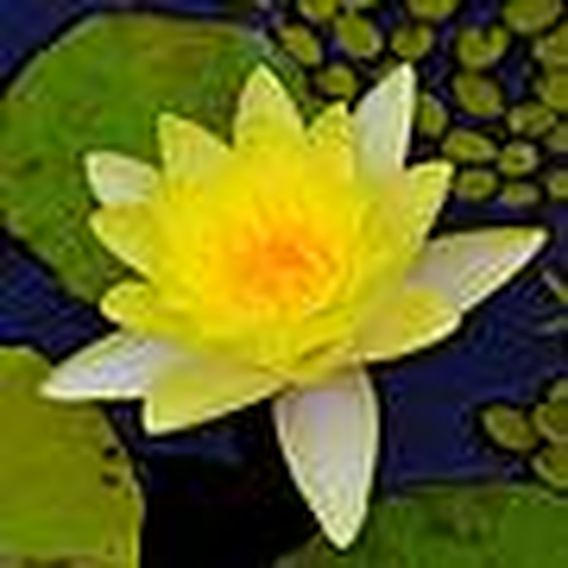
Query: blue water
[[226, 482]]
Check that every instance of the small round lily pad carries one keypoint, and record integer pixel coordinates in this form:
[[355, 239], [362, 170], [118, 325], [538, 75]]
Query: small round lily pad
[[509, 428], [559, 390], [551, 465], [557, 140], [552, 50], [518, 159], [475, 184], [412, 42], [318, 9], [553, 90], [519, 194], [558, 185], [338, 81], [551, 420], [468, 146], [531, 16], [301, 44], [433, 10], [478, 95], [479, 48], [358, 36], [432, 117], [531, 119]]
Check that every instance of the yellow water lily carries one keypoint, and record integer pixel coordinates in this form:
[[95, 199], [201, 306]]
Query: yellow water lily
[[278, 264]]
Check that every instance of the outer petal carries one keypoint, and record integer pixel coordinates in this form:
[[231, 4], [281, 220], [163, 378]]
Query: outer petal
[[468, 267], [190, 153], [329, 437], [416, 320], [267, 116], [117, 179], [127, 231], [383, 123], [428, 186], [120, 366], [199, 390]]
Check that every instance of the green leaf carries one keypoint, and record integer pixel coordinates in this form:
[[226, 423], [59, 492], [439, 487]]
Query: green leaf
[[520, 194], [479, 48], [551, 420], [454, 526], [412, 42], [475, 184], [518, 159], [478, 95], [551, 465], [552, 50], [431, 116], [101, 87], [468, 146], [531, 119], [509, 428], [557, 185], [559, 390], [66, 489], [357, 35], [531, 16]]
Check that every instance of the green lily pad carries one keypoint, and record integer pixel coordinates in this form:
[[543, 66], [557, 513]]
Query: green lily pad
[[469, 147], [318, 9], [551, 465], [557, 140], [551, 420], [475, 184], [520, 194], [66, 489], [553, 90], [412, 42], [433, 10], [531, 119], [531, 16], [102, 86], [300, 42], [478, 95], [559, 390], [509, 428], [518, 159], [479, 48], [357, 35], [337, 81], [446, 527], [432, 117], [552, 50], [558, 185]]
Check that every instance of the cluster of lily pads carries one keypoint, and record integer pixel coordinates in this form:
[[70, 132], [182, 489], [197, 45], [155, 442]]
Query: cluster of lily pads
[[539, 434], [512, 145]]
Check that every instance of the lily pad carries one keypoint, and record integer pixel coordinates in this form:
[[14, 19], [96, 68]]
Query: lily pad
[[557, 140], [475, 184], [479, 48], [531, 16], [433, 10], [553, 90], [552, 50], [559, 390], [357, 35], [412, 42], [531, 119], [337, 81], [432, 117], [66, 490], [468, 146], [509, 428], [551, 465], [551, 420], [520, 194], [445, 527], [318, 9], [558, 185], [518, 159], [102, 86], [478, 95]]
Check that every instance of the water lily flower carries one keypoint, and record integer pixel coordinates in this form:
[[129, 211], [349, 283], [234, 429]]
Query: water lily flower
[[279, 265]]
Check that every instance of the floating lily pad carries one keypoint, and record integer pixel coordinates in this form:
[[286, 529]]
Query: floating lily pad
[[478, 95], [509, 428], [468, 146], [551, 420], [456, 526], [553, 90], [66, 490], [102, 86], [557, 140], [432, 117], [337, 81], [475, 184], [559, 390], [412, 42], [357, 35], [551, 465], [432, 9], [531, 16], [519, 194], [558, 185], [300, 42], [518, 159], [318, 9], [552, 50], [479, 48], [531, 119]]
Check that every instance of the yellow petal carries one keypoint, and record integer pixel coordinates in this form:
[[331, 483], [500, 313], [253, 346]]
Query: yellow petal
[[331, 136], [199, 390], [427, 188], [117, 179], [469, 266], [127, 231], [267, 118], [383, 125], [190, 153], [417, 319], [329, 438]]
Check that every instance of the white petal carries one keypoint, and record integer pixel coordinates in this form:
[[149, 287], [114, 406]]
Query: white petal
[[117, 179], [470, 266], [383, 124], [118, 367], [329, 437]]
